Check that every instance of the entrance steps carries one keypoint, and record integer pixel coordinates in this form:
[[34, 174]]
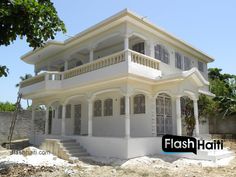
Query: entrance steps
[[67, 149]]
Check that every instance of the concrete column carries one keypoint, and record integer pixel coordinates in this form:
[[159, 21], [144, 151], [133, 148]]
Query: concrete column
[[195, 105], [91, 55], [66, 65], [46, 121], [32, 124], [178, 116], [151, 48], [126, 42], [90, 117], [63, 120], [127, 116]]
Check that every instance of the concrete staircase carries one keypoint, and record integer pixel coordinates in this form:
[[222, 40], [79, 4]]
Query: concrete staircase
[[67, 149]]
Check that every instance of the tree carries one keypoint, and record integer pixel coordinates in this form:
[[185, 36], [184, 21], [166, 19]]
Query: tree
[[7, 107], [224, 87], [22, 78], [36, 20]]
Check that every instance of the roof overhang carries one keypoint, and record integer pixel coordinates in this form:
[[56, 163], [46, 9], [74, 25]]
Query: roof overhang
[[53, 47]]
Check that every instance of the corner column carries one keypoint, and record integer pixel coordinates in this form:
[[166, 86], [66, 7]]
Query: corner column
[[46, 121], [195, 105], [178, 116], [90, 117], [127, 116], [32, 124], [91, 54], [63, 120], [66, 65], [126, 42]]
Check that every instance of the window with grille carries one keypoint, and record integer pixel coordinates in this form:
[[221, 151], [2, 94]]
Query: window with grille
[[139, 47], [139, 104], [108, 107], [68, 111], [122, 106], [97, 108], [187, 63], [200, 66], [178, 60]]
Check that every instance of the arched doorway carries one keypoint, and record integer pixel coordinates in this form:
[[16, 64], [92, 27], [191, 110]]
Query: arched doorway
[[163, 114]]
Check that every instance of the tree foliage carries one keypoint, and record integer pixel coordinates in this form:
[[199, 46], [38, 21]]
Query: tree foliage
[[7, 107], [224, 87], [37, 20]]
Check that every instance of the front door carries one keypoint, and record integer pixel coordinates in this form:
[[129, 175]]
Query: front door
[[163, 114], [77, 119]]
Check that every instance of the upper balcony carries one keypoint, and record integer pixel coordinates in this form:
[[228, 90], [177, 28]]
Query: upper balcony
[[113, 66]]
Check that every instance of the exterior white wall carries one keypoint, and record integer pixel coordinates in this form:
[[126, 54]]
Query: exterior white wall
[[144, 146], [104, 146], [170, 68], [108, 50]]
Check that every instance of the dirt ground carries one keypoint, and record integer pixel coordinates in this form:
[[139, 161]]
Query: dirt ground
[[140, 167]]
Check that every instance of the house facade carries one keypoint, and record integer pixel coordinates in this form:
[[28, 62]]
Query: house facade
[[116, 87]]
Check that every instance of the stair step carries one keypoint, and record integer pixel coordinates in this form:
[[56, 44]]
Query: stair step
[[68, 141], [78, 154], [75, 150], [70, 144]]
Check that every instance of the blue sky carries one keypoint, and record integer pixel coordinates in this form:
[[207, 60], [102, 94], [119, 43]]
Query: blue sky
[[208, 25]]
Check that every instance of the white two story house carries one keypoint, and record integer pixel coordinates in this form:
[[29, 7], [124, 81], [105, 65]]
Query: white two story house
[[116, 87]]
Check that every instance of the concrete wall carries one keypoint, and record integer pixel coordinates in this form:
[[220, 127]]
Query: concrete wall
[[218, 125], [22, 126]]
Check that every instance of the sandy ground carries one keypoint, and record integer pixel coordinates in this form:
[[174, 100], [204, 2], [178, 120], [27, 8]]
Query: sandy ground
[[36, 164]]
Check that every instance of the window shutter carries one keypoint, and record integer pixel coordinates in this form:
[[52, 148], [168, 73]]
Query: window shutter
[[158, 52], [178, 60]]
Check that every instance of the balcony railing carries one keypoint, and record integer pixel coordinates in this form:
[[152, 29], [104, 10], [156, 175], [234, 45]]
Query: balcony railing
[[144, 60], [100, 63], [118, 57]]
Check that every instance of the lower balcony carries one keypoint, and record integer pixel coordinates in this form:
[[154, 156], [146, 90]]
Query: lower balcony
[[117, 65]]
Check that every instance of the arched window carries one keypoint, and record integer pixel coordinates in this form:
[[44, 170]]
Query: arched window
[[161, 53], [122, 105], [108, 107], [139, 104], [97, 108]]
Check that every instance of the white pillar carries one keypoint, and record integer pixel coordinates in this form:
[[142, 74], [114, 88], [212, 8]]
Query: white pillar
[[127, 116], [32, 124], [126, 42], [66, 65], [91, 55], [195, 105], [152, 51], [46, 121], [178, 116], [63, 120], [90, 117]]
